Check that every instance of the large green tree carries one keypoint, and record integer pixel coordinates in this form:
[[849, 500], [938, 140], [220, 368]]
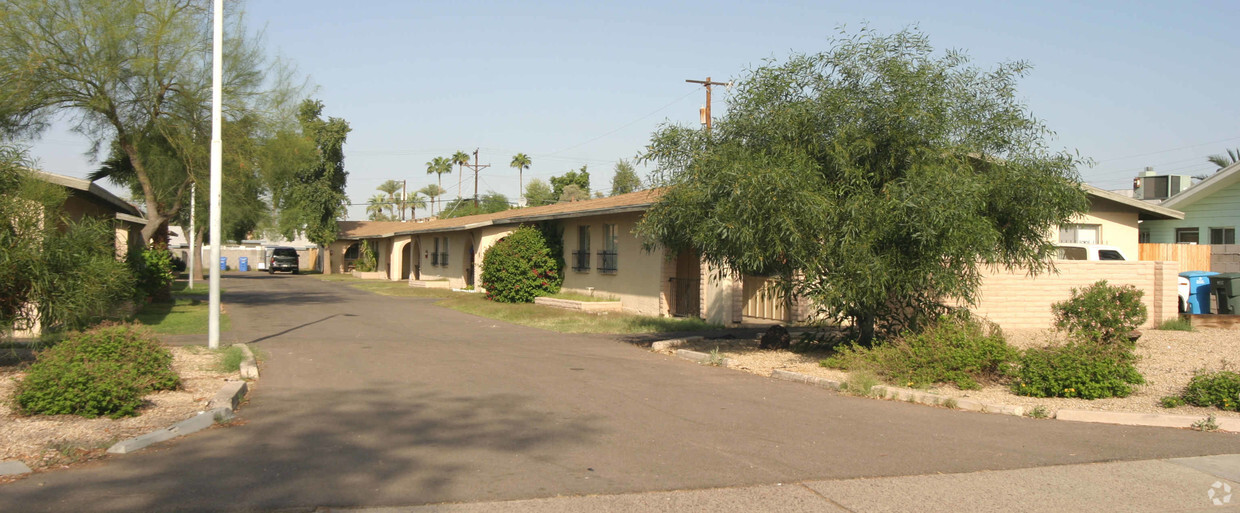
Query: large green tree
[[538, 193], [489, 203], [134, 76], [884, 178], [579, 178], [625, 180], [308, 166]]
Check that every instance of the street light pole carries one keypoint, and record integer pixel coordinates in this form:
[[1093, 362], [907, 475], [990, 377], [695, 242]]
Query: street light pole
[[217, 180], [193, 202]]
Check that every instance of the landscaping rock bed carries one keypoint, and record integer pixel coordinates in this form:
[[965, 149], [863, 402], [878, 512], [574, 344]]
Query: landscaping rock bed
[[1168, 360], [45, 441]]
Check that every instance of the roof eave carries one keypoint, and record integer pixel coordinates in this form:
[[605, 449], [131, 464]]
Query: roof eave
[[1145, 211], [1192, 193]]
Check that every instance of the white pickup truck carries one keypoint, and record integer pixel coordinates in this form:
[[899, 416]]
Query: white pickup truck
[[1071, 251]]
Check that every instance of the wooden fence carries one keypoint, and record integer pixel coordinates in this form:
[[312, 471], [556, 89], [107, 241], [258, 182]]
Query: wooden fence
[[1192, 257]]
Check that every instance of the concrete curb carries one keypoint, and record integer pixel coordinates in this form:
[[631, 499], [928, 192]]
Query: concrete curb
[[193, 424], [229, 396], [664, 345], [219, 409], [703, 358], [805, 378], [1230, 424], [13, 468], [249, 366]]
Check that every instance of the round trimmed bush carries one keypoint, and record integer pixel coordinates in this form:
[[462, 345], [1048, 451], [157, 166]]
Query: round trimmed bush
[[1102, 312], [519, 268], [103, 371]]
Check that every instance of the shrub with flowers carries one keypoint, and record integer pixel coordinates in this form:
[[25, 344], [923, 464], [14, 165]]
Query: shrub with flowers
[[519, 268]]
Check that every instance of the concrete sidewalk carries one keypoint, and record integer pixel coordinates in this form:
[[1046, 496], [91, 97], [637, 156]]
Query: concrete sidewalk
[[1209, 483]]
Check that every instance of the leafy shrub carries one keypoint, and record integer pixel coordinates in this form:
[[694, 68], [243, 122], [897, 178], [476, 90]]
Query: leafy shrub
[[519, 268], [366, 258], [1220, 389], [103, 371], [1177, 324], [178, 264], [153, 270], [1101, 312], [1078, 369], [957, 349], [1171, 401]]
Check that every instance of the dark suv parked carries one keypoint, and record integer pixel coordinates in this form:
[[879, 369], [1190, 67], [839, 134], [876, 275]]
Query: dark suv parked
[[284, 259]]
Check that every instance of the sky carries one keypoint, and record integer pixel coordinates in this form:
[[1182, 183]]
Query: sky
[[1126, 84]]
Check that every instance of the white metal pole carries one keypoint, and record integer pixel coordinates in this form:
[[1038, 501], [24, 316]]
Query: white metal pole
[[193, 202], [217, 180]]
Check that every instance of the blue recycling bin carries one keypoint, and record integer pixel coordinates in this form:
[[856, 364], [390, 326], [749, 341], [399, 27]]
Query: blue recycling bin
[[223, 263], [243, 263], [1198, 291]]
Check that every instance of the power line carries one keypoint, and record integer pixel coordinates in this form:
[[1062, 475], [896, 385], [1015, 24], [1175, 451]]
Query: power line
[[1169, 150]]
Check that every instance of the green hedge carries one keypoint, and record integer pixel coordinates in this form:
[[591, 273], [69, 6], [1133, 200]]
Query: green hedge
[[103, 371]]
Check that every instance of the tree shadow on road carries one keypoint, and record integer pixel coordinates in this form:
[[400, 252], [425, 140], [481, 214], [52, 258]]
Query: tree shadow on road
[[349, 449]]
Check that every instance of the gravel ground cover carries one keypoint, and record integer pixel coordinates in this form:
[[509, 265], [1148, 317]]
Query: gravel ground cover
[[1168, 360], [49, 441]]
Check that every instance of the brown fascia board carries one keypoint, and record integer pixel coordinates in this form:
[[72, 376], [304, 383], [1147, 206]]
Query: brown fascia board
[[528, 219], [1145, 210]]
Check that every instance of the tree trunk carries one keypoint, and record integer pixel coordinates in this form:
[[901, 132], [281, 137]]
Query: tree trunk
[[865, 330], [197, 267]]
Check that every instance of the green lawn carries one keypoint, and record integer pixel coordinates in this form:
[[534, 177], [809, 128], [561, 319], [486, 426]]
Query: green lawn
[[184, 316], [537, 316], [201, 288]]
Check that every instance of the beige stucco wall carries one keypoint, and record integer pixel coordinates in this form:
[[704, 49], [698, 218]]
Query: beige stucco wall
[[485, 238], [636, 281], [1118, 225], [398, 246], [1014, 300], [454, 272]]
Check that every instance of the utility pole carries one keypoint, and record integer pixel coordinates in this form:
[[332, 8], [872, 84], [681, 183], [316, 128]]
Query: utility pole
[[476, 168], [707, 83]]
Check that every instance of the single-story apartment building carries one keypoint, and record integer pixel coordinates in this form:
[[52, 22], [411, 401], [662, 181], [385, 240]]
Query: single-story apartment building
[[603, 256], [88, 199]]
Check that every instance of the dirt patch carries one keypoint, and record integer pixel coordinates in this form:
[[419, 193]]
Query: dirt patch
[[1168, 360], [47, 441]]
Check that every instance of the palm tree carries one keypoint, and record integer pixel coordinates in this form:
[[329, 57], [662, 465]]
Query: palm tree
[[439, 166], [520, 161], [460, 158], [1223, 161], [412, 201], [375, 206], [390, 188], [432, 191]]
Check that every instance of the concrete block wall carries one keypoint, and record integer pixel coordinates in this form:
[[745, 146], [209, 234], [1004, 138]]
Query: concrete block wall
[[1014, 300], [1225, 258]]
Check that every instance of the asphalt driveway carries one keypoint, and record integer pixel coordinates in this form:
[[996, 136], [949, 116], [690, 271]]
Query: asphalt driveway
[[368, 400]]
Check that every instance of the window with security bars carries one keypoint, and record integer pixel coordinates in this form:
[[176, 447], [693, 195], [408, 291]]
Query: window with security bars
[[581, 257], [608, 257], [435, 253]]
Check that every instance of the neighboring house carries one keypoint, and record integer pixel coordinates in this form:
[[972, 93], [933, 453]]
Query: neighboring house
[[1211, 212], [256, 251], [603, 256], [88, 199]]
